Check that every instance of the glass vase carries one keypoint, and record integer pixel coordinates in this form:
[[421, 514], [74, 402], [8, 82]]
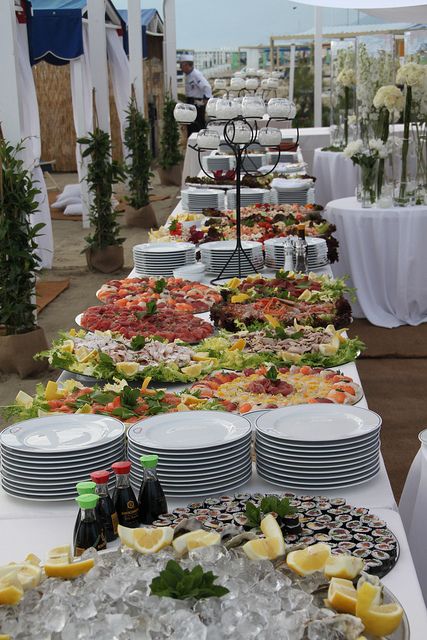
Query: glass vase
[[368, 184]]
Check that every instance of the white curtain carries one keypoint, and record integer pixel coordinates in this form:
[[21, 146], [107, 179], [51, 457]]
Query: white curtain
[[120, 77], [81, 95], [31, 155]]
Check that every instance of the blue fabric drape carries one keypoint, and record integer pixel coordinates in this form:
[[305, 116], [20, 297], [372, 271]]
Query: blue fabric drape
[[56, 36]]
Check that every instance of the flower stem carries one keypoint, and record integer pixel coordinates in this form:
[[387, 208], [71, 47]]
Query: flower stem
[[405, 146], [346, 107]]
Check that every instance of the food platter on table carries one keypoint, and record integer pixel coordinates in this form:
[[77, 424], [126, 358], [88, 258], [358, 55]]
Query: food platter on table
[[169, 293]]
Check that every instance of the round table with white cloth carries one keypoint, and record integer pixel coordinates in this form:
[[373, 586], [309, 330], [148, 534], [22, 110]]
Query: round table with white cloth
[[384, 252], [336, 176]]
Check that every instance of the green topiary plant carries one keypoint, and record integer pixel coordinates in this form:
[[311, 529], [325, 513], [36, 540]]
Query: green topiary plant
[[19, 262], [170, 154], [103, 173], [139, 156]]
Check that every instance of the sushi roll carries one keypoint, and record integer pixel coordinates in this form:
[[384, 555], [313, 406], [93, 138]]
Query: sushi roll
[[306, 506], [324, 506], [360, 529], [386, 539], [291, 520], [322, 537], [344, 518], [352, 525], [181, 511], [307, 540], [295, 503], [288, 495], [313, 513], [337, 502], [362, 537], [212, 502], [336, 551], [361, 553], [338, 534], [195, 505], [373, 566], [325, 518], [240, 519], [225, 518], [317, 527], [203, 518], [211, 524], [347, 545], [306, 498], [201, 512], [365, 545], [382, 556], [368, 517], [163, 523], [291, 538], [242, 497], [382, 532], [359, 512], [387, 547], [378, 524]]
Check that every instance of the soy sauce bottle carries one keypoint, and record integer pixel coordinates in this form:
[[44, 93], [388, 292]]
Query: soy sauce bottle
[[151, 501], [105, 509], [124, 499], [82, 488], [89, 533]]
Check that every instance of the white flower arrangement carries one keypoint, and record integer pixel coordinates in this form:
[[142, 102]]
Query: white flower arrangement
[[353, 148], [362, 154], [373, 71], [389, 97], [347, 78], [412, 74]]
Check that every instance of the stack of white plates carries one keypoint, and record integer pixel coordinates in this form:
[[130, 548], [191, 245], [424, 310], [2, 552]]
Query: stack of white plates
[[253, 161], [284, 167], [318, 446], [199, 199], [219, 163], [285, 156], [200, 453], [287, 191], [44, 458], [248, 196], [161, 258], [317, 253], [215, 256]]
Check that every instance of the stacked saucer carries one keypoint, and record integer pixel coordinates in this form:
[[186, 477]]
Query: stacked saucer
[[44, 458], [253, 161], [317, 253], [199, 199], [219, 162], [247, 197], [200, 453], [287, 191], [318, 446], [285, 156], [161, 258], [215, 256]]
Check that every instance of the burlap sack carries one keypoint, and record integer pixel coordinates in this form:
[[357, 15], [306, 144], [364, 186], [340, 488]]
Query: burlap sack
[[144, 217], [17, 353], [106, 260], [171, 177]]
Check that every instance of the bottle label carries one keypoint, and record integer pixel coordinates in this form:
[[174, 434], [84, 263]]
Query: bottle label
[[114, 522], [131, 513]]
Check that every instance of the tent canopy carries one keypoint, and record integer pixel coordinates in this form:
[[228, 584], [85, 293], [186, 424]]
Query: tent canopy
[[151, 24], [55, 29], [363, 4]]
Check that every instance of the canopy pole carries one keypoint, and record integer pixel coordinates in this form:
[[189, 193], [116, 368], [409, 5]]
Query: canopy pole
[[169, 44], [317, 66], [81, 132], [271, 54], [10, 115], [136, 62], [292, 72], [98, 61]]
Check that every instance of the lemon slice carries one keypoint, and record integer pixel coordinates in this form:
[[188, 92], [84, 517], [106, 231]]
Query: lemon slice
[[10, 595], [192, 370], [126, 536], [330, 348], [86, 408], [272, 321], [343, 566], [127, 368], [180, 543], [203, 539], [309, 560], [57, 552], [81, 353], [145, 383], [25, 575], [69, 570], [201, 355], [67, 346], [379, 619], [52, 392], [147, 540], [24, 400], [33, 559], [239, 297], [271, 529], [342, 596], [306, 295], [263, 548], [233, 283], [239, 345]]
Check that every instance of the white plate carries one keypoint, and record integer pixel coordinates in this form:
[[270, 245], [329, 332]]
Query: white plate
[[298, 474], [214, 454], [74, 457], [321, 460], [227, 245], [202, 476], [62, 433], [207, 490], [308, 487], [42, 494], [162, 247], [37, 486], [29, 497], [188, 431], [41, 467], [211, 485], [318, 423], [218, 464], [311, 449]]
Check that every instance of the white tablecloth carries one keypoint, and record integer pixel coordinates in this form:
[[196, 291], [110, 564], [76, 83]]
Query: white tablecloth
[[336, 176], [383, 252]]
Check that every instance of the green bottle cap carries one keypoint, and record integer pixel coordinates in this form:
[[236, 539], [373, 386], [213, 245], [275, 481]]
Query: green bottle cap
[[149, 462], [85, 487], [87, 501]]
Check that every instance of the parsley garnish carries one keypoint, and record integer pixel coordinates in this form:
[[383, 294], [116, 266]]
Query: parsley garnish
[[137, 343], [160, 285], [272, 374], [178, 583]]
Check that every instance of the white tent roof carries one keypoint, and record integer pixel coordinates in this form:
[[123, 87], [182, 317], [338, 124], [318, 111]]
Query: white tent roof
[[364, 4], [396, 14]]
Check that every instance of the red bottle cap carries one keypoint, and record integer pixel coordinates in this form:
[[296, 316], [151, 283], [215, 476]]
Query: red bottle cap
[[121, 467], [100, 477]]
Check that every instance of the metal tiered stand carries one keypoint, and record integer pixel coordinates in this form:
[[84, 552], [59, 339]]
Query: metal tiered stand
[[239, 121]]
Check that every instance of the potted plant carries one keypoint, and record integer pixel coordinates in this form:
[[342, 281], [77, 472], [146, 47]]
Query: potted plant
[[20, 337], [170, 159], [105, 251], [138, 211]]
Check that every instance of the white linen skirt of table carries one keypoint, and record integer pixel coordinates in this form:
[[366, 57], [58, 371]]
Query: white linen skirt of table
[[383, 251], [336, 176]]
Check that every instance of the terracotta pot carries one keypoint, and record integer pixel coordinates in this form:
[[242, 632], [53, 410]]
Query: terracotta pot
[[172, 176], [105, 260], [17, 353], [144, 217]]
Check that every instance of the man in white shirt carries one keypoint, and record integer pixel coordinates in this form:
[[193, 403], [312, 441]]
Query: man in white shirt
[[197, 89]]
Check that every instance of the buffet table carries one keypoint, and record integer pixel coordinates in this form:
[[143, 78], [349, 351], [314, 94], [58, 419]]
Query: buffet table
[[336, 176], [382, 250]]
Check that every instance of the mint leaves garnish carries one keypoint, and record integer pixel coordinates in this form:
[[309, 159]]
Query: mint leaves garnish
[[178, 583]]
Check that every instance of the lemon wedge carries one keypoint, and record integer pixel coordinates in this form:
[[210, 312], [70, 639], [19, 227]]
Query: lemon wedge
[[147, 540], [24, 400], [203, 539], [28, 575], [306, 295], [201, 355], [271, 529], [182, 407], [10, 595], [263, 548], [239, 345], [379, 619], [272, 321], [126, 535], [51, 392], [343, 566], [307, 561], [68, 570], [67, 346], [86, 408], [127, 368], [342, 595], [192, 370], [239, 297], [233, 283], [33, 559], [63, 554]]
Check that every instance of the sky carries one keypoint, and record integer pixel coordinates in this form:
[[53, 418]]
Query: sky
[[212, 24]]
